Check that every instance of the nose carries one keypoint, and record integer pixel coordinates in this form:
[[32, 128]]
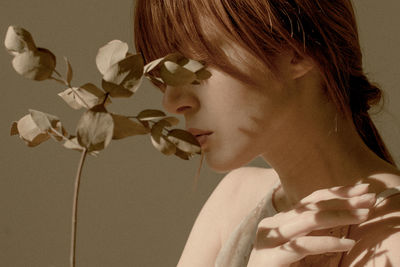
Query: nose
[[179, 100]]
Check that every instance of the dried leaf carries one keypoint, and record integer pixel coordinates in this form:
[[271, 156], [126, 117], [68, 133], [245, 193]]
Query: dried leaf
[[174, 57], [58, 132], [69, 74], [182, 154], [158, 82], [73, 144], [184, 141], [172, 120], [153, 64], [150, 114], [110, 54], [44, 121], [116, 90], [48, 123], [128, 72], [177, 58], [18, 40], [193, 65], [14, 128], [175, 75], [164, 145], [156, 130], [28, 131], [203, 74], [36, 65], [95, 129], [124, 127], [90, 93]]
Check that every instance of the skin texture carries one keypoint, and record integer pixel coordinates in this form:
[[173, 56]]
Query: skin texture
[[289, 121]]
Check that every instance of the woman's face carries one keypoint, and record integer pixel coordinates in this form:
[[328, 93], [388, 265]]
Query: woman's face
[[245, 120]]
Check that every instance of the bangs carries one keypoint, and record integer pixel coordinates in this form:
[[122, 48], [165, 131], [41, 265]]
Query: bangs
[[198, 29]]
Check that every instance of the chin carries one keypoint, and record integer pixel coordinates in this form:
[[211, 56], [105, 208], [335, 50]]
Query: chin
[[226, 163]]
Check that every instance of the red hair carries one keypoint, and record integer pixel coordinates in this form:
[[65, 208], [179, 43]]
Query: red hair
[[325, 31]]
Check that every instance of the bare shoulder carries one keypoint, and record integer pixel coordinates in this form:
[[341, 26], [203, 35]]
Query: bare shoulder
[[235, 196], [378, 239], [247, 186]]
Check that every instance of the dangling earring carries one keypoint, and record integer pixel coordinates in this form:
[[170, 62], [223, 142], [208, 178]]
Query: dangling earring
[[336, 123]]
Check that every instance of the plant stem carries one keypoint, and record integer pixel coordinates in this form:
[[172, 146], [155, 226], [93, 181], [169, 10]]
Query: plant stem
[[68, 84], [75, 207], [58, 74]]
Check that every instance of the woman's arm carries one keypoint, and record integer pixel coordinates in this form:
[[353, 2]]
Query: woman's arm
[[204, 241]]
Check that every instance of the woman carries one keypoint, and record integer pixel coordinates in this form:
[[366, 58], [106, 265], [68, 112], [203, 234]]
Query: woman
[[287, 84]]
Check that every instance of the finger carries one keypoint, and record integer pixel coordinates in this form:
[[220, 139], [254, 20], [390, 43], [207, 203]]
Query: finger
[[363, 201], [317, 220], [301, 247], [334, 192], [307, 222]]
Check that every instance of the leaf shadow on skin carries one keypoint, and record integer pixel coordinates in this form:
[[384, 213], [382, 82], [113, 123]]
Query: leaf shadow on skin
[[368, 235], [376, 232]]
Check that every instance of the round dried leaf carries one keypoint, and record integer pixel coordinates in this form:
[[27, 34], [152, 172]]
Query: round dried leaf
[[110, 54], [73, 144], [172, 120], [127, 72], [116, 90], [175, 75], [18, 40], [156, 130], [124, 127], [164, 145], [153, 64], [95, 129], [90, 94], [36, 65], [28, 131], [193, 65], [44, 121], [27, 128], [150, 114], [182, 154], [203, 74], [184, 141]]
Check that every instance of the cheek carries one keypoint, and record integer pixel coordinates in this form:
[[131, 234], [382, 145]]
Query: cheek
[[234, 144], [231, 152]]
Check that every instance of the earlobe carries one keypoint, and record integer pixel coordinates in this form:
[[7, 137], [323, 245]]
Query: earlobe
[[300, 65]]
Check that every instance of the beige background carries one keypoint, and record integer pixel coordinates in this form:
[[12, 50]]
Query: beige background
[[136, 206]]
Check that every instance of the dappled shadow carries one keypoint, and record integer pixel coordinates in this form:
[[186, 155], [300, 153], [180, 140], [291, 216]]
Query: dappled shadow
[[368, 235]]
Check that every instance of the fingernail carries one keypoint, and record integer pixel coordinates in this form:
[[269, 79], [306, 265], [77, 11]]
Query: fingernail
[[361, 213], [347, 242], [361, 186], [357, 189]]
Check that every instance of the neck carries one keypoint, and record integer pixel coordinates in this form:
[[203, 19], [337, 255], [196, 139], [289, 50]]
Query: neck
[[328, 155]]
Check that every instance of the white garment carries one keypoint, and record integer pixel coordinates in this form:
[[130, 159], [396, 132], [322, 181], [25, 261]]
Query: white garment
[[236, 250]]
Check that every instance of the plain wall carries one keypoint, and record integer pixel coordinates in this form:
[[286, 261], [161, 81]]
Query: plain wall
[[136, 205]]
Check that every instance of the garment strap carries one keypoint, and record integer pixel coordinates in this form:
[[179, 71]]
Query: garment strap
[[386, 194]]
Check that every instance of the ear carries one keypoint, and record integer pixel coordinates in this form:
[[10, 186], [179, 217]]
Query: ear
[[299, 65]]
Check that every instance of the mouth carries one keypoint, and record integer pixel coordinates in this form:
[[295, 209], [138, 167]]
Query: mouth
[[202, 138], [201, 135]]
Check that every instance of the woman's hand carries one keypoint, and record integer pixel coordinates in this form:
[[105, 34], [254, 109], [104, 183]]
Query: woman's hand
[[282, 239]]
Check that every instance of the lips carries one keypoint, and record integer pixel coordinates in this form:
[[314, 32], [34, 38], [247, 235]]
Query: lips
[[198, 132], [201, 135]]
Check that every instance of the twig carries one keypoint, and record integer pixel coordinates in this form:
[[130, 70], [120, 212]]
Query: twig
[[75, 207], [68, 84]]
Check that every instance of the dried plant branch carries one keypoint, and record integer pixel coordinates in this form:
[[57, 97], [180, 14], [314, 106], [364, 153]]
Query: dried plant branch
[[75, 207], [122, 76]]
